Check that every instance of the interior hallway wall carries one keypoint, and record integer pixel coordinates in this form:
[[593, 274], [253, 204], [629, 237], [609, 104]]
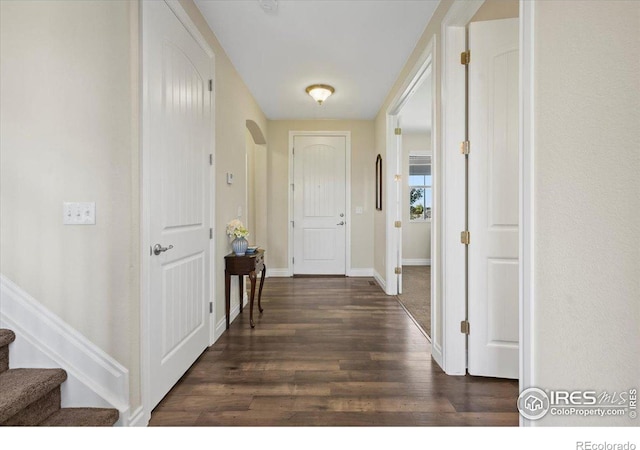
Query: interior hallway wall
[[587, 200], [362, 186]]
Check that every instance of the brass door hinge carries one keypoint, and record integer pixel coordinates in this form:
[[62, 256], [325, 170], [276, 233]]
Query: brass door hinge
[[465, 328], [465, 147], [398, 270], [465, 237], [398, 224], [465, 57], [398, 131]]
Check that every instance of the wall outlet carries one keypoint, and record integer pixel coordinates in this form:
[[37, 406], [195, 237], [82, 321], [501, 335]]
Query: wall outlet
[[359, 210], [79, 213]]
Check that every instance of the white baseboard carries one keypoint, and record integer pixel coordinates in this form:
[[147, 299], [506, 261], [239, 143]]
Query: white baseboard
[[138, 419], [43, 340], [416, 262], [278, 272], [368, 272], [380, 280], [221, 326]]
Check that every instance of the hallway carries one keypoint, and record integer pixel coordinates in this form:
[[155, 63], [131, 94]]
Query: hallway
[[329, 352]]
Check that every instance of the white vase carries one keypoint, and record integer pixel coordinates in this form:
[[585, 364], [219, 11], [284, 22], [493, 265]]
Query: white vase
[[240, 246]]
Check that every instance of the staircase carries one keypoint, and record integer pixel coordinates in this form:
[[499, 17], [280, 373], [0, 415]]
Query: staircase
[[31, 397]]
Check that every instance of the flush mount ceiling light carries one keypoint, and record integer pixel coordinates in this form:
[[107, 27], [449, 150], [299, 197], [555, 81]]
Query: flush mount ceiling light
[[320, 92], [269, 6]]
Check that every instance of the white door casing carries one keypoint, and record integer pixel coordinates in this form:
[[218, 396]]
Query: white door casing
[[493, 198], [177, 140], [319, 204]]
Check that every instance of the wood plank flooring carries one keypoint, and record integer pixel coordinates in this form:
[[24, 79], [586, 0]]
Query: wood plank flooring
[[329, 352]]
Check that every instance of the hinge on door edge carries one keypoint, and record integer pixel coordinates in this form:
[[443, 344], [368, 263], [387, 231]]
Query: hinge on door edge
[[465, 237], [465, 57], [398, 131], [465, 147], [210, 307], [465, 327], [398, 270], [211, 159], [398, 224], [210, 85], [210, 233]]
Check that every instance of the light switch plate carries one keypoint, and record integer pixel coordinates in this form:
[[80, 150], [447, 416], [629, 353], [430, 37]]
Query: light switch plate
[[79, 213], [229, 178]]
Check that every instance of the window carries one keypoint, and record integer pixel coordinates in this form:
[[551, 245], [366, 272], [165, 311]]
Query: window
[[419, 187]]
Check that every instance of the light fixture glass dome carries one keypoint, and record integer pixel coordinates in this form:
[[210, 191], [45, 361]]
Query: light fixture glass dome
[[320, 92]]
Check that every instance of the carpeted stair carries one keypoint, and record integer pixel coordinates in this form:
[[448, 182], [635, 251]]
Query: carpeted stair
[[31, 397]]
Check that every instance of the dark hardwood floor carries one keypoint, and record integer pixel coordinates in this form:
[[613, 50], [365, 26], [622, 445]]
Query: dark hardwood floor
[[329, 352]]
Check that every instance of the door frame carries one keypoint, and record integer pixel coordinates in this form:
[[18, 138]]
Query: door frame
[[453, 35], [143, 414], [422, 69], [347, 136]]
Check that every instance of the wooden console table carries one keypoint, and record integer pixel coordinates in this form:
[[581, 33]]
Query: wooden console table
[[249, 264]]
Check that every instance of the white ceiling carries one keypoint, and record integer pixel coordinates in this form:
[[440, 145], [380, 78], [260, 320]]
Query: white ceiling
[[415, 115], [357, 46]]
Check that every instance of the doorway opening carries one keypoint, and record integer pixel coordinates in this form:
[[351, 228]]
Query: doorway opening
[[412, 209]]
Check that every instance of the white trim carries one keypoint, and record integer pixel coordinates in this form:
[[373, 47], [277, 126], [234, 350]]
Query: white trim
[[145, 219], [44, 340], [423, 67], [221, 325], [138, 419], [347, 136], [453, 33], [278, 273], [416, 262], [379, 279], [191, 27], [527, 205], [368, 272]]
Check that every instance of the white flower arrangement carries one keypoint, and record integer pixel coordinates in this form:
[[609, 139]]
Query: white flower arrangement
[[236, 229]]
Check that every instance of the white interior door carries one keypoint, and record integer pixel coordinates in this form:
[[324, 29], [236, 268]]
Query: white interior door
[[178, 138], [493, 198], [319, 205]]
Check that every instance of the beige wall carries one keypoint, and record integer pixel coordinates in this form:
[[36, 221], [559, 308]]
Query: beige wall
[[416, 235], [68, 116], [362, 183], [587, 199], [497, 9], [69, 119]]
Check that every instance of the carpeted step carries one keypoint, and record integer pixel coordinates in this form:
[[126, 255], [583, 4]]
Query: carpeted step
[[82, 417], [6, 338], [26, 396]]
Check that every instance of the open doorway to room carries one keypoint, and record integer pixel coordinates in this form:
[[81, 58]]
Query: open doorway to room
[[412, 209], [416, 203]]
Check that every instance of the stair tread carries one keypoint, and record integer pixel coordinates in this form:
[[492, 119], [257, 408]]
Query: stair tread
[[21, 387], [82, 417], [6, 337]]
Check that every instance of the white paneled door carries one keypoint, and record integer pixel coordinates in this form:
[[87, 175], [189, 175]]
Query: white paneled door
[[493, 199], [178, 134], [319, 205]]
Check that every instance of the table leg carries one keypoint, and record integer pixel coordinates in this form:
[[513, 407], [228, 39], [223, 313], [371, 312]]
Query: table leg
[[241, 289], [264, 275], [227, 295], [252, 277]]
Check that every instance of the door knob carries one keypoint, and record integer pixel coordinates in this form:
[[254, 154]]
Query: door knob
[[157, 249], [341, 214], [340, 223]]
